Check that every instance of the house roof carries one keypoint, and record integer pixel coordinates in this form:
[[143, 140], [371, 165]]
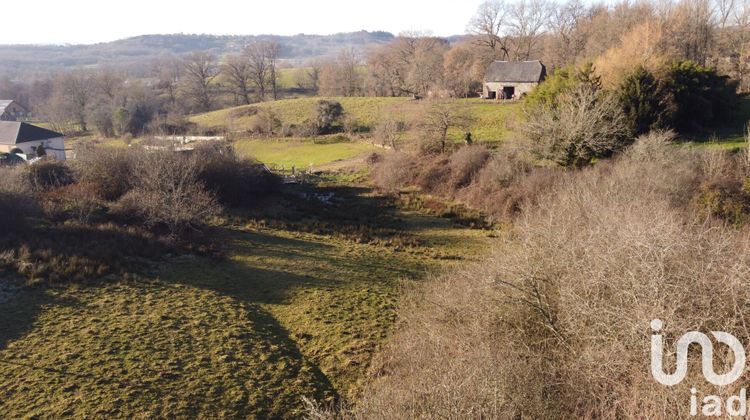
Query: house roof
[[20, 132], [5, 103], [515, 71]]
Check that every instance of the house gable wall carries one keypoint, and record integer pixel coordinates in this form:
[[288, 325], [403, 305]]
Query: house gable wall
[[54, 147]]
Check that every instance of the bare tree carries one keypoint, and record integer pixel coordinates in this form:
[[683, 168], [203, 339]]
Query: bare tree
[[108, 83], [389, 131], [308, 77], [410, 65], [74, 91], [168, 72], [262, 58], [564, 24], [488, 26], [200, 71], [272, 52], [341, 76], [236, 70], [528, 20], [438, 117]]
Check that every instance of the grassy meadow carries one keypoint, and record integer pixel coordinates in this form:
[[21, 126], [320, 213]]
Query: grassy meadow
[[491, 121], [301, 153], [304, 293]]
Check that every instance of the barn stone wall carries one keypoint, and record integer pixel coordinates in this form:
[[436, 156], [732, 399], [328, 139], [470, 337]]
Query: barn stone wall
[[520, 88]]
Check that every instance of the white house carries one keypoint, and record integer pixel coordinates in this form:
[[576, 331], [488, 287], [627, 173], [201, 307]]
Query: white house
[[11, 111], [20, 137]]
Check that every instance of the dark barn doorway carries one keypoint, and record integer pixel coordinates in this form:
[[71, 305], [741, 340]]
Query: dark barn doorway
[[491, 94], [508, 92]]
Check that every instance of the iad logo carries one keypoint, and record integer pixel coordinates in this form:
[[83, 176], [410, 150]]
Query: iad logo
[[710, 405], [707, 353]]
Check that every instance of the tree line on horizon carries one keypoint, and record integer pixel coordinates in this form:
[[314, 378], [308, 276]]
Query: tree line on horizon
[[618, 40]]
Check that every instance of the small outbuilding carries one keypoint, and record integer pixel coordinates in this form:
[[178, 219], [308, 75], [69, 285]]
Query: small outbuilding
[[11, 111], [20, 137], [512, 79]]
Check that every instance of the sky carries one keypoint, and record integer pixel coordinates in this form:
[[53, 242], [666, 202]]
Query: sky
[[92, 21]]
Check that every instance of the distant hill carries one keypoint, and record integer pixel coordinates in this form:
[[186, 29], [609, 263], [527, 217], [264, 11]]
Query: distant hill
[[133, 53]]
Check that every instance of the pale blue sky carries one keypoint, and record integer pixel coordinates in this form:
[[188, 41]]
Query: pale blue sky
[[81, 21]]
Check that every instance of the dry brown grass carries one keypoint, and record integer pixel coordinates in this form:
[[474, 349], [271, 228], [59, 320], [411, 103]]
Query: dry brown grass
[[555, 324]]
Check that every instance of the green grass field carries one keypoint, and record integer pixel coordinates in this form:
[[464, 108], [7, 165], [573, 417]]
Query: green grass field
[[301, 153], [288, 312], [492, 121]]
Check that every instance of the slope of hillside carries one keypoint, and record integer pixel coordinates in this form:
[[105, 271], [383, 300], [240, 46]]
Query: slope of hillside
[[491, 121]]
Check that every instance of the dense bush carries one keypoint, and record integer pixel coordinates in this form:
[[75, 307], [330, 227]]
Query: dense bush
[[555, 322], [17, 203], [79, 202], [395, 171], [584, 124], [465, 164], [697, 97], [109, 170], [329, 114], [563, 80], [234, 181], [168, 193], [640, 98], [49, 174]]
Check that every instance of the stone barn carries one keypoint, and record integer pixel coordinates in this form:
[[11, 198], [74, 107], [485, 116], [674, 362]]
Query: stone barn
[[512, 79]]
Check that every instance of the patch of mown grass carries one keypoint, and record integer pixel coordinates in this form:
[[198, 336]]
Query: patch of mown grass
[[299, 152], [290, 312]]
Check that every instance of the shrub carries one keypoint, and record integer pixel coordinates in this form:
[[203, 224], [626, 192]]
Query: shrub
[[562, 81], [434, 174], [585, 124], [465, 164], [555, 322], [17, 202], [641, 102], [78, 202], [329, 113], [698, 97], [168, 193], [265, 122], [108, 170], [48, 174], [234, 181], [394, 171]]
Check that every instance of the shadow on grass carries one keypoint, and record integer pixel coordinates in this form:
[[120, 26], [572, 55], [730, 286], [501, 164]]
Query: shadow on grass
[[78, 254], [253, 287], [21, 306]]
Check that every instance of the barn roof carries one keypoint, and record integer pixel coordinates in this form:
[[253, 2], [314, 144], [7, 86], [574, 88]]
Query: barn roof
[[515, 71], [19, 132]]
